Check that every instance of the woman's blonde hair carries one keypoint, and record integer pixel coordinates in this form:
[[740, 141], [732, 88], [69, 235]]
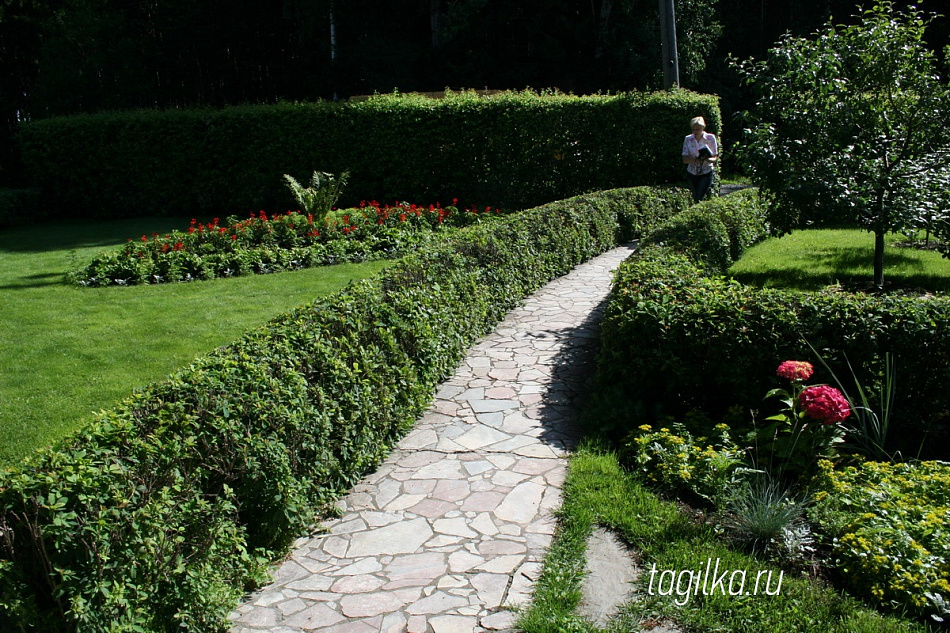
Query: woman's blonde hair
[[698, 121]]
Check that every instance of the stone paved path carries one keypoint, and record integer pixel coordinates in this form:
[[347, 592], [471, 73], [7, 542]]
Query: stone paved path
[[453, 526]]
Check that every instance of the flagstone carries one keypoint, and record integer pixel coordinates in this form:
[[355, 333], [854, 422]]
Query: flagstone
[[399, 538], [370, 604]]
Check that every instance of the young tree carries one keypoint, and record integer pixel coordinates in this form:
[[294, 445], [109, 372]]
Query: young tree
[[850, 125]]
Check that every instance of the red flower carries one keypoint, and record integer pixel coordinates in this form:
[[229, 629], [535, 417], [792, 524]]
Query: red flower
[[795, 370], [825, 404]]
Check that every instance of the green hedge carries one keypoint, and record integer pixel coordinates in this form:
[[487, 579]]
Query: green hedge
[[514, 150], [716, 231], [678, 336], [19, 207], [156, 516]]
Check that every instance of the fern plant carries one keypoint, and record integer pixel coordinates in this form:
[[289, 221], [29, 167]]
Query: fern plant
[[324, 190]]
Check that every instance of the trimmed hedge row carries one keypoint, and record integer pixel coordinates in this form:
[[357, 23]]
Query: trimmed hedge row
[[716, 231], [156, 516], [513, 150], [678, 336]]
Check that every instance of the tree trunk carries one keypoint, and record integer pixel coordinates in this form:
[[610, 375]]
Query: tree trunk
[[880, 228], [879, 259]]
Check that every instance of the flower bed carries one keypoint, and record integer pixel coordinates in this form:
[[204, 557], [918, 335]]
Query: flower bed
[[265, 243], [686, 348]]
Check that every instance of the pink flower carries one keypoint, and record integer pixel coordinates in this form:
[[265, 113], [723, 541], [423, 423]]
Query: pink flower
[[825, 404], [795, 370]]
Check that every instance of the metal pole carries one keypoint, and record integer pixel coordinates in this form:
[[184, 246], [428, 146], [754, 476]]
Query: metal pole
[[668, 49], [333, 50]]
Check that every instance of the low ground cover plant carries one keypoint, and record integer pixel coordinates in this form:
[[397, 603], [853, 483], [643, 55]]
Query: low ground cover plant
[[264, 243]]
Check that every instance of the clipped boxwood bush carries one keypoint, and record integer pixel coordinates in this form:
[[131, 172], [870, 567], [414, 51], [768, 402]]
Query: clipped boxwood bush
[[514, 150], [716, 231], [157, 516]]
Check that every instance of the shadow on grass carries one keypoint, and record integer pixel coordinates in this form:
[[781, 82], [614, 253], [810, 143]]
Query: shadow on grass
[[76, 234], [846, 265], [36, 281]]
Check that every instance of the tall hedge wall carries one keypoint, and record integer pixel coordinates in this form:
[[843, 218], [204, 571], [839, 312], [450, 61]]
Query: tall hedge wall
[[514, 150], [156, 516]]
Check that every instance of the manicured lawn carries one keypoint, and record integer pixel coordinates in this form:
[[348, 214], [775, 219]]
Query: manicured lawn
[[66, 351], [815, 258], [599, 492]]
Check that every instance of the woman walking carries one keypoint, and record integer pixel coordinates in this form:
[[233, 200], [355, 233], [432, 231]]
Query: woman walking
[[700, 151]]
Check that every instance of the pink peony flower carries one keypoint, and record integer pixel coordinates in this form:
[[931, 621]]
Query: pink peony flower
[[825, 404], [795, 370]]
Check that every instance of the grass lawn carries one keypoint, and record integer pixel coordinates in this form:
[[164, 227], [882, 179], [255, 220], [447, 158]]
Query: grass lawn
[[67, 351], [599, 492], [815, 258]]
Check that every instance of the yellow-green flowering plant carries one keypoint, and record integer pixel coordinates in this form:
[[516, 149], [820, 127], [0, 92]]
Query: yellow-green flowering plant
[[675, 460]]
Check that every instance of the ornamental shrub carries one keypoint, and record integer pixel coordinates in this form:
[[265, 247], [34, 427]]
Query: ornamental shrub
[[675, 460], [716, 231]]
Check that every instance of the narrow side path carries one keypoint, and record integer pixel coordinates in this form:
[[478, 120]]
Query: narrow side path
[[453, 526]]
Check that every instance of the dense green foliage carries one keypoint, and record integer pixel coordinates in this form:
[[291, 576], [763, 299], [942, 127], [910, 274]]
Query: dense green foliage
[[677, 336], [890, 525], [156, 515], [716, 231], [513, 150], [848, 127], [675, 339], [684, 346]]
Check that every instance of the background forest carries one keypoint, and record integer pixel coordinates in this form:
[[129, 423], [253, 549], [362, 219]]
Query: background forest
[[60, 57]]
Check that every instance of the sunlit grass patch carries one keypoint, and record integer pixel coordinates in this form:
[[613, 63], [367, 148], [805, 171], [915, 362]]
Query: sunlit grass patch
[[813, 259]]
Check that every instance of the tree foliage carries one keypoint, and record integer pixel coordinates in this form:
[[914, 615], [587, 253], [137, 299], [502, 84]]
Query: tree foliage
[[847, 126]]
